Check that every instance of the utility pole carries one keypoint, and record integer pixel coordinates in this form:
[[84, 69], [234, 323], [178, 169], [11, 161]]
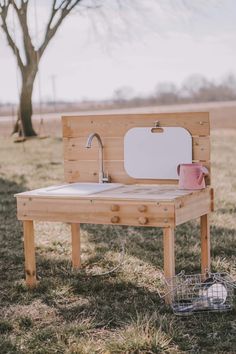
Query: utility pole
[[53, 78]]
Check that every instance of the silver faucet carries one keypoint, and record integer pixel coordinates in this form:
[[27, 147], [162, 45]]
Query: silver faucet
[[102, 177]]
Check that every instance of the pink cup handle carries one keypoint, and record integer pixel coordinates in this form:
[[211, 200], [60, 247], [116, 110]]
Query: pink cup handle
[[178, 169], [204, 172]]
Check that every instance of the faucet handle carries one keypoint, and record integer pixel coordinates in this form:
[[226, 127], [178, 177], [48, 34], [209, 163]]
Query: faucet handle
[[106, 178]]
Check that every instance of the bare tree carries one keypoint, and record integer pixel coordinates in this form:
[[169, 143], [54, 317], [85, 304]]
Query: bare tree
[[29, 55], [28, 61]]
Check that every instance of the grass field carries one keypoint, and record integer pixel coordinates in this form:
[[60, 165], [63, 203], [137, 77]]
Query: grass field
[[222, 116], [77, 312]]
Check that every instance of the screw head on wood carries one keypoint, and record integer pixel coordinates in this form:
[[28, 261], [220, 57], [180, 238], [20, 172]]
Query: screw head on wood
[[115, 207], [143, 220], [180, 205]]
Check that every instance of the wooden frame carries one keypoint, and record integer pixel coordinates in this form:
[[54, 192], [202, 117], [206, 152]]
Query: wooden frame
[[105, 208]]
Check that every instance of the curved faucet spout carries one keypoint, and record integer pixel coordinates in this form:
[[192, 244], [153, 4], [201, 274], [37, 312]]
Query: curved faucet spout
[[102, 177], [90, 139]]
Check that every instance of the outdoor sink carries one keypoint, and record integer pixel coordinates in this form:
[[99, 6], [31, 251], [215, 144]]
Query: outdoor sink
[[77, 189]]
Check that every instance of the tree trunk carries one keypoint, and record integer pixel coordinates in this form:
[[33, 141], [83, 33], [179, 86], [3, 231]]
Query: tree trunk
[[25, 106]]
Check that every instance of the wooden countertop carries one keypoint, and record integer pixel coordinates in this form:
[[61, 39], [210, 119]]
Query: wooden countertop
[[145, 192]]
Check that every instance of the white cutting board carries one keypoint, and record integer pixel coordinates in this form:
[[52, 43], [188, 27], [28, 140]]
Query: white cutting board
[[153, 155]]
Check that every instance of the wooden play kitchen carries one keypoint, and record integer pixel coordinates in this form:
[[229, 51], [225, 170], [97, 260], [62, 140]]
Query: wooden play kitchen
[[122, 170]]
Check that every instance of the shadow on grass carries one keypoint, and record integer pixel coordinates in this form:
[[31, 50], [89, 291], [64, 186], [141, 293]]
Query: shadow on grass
[[146, 244], [112, 301], [11, 251]]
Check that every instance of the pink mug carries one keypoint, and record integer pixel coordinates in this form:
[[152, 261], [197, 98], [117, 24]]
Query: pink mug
[[191, 176]]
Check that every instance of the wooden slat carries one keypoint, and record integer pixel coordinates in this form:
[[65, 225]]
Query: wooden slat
[[143, 192], [94, 211], [87, 171], [58, 204], [74, 149], [197, 123], [201, 148]]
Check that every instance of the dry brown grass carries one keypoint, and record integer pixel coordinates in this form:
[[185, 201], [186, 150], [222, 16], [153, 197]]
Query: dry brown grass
[[74, 312], [222, 115]]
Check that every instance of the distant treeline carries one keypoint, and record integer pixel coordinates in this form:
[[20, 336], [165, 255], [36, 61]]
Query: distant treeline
[[194, 90]]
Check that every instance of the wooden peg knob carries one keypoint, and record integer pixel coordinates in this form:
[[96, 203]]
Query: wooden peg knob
[[143, 220], [115, 207], [115, 219], [142, 208]]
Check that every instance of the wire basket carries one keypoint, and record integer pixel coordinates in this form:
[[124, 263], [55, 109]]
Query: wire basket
[[211, 292]]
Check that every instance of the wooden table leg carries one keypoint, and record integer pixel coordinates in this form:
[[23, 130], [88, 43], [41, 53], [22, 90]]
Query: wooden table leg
[[205, 243], [29, 248], [75, 241], [169, 257], [169, 252]]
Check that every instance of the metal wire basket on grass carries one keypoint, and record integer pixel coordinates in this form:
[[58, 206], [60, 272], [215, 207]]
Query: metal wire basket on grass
[[199, 293]]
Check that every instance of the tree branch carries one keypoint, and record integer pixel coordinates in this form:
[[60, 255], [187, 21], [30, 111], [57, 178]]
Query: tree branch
[[4, 10], [22, 16], [65, 7]]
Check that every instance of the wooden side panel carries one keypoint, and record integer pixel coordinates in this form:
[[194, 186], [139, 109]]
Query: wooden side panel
[[97, 211], [81, 164], [193, 206], [201, 148]]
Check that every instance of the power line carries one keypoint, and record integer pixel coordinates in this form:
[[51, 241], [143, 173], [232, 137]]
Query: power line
[[41, 124], [53, 78]]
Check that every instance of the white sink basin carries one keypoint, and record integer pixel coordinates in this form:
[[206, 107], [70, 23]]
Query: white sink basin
[[77, 189]]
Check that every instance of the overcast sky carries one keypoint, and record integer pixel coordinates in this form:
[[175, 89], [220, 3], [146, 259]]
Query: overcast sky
[[155, 41]]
